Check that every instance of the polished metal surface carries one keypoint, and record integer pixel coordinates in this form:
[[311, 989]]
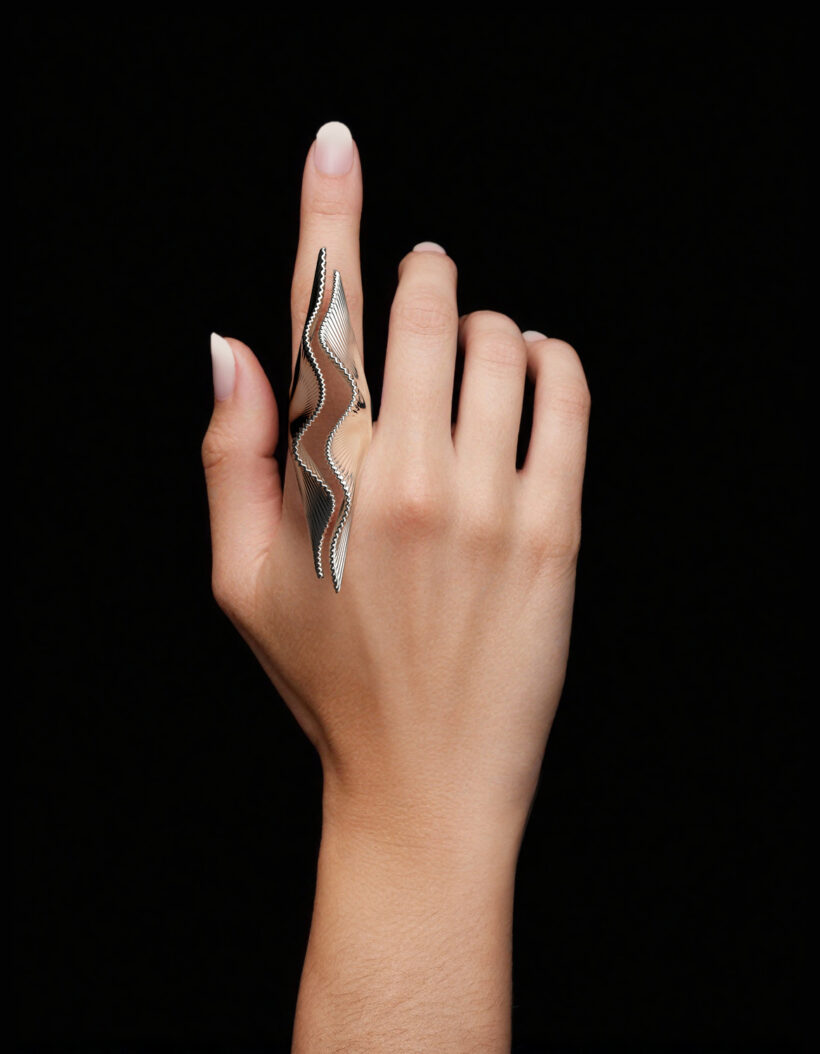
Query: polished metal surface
[[330, 421]]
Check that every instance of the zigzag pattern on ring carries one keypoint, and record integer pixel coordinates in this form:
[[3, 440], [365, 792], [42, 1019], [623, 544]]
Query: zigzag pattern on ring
[[306, 401], [349, 438], [338, 340]]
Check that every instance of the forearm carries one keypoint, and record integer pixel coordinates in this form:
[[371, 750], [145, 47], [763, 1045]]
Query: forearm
[[411, 941]]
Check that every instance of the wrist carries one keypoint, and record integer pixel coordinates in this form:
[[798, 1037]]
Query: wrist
[[424, 829], [411, 937]]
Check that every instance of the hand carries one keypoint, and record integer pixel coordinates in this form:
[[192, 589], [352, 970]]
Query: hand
[[433, 675], [429, 682]]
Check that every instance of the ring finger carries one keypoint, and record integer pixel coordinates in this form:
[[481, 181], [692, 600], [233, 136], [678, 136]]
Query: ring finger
[[491, 399]]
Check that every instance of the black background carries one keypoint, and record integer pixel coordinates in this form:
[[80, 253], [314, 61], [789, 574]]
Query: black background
[[631, 185]]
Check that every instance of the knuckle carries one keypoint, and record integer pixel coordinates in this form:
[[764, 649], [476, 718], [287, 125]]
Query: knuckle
[[333, 201], [217, 446], [423, 312], [416, 507], [570, 400], [552, 539], [501, 351]]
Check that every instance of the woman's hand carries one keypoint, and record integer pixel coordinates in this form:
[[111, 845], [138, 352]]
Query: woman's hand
[[429, 682], [432, 676]]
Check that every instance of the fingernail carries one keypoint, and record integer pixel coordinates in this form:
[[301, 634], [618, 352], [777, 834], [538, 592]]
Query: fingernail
[[334, 149], [224, 366], [429, 247], [533, 334]]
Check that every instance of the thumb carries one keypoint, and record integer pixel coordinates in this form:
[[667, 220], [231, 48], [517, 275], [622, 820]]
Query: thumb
[[242, 475]]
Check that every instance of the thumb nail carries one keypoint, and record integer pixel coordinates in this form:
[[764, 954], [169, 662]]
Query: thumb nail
[[224, 365]]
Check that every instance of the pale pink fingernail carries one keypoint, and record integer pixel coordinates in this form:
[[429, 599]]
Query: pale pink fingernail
[[533, 334], [224, 365], [334, 149], [429, 247]]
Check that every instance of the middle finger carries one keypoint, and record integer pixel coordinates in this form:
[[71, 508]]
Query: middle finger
[[417, 391]]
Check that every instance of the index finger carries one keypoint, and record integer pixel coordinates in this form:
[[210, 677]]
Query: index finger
[[331, 208]]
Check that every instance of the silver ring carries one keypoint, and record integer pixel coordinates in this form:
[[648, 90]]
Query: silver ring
[[331, 423]]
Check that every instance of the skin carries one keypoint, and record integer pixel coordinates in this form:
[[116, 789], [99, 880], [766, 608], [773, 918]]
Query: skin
[[442, 659]]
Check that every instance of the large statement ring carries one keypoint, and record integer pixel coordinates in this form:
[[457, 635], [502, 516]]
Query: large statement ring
[[331, 423]]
